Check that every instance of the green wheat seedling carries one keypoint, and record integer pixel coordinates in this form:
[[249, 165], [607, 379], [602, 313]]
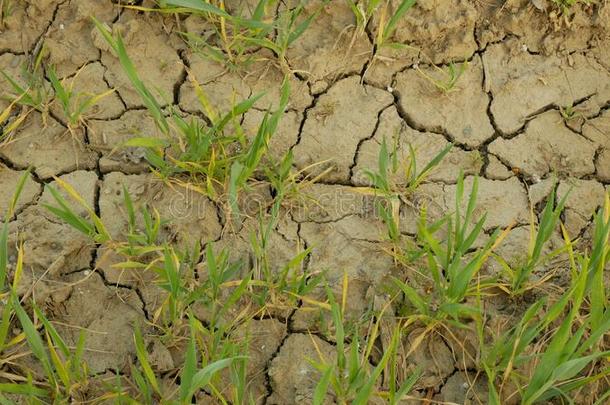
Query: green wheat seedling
[[384, 186], [279, 285], [411, 177], [147, 97], [203, 151], [519, 276], [447, 83], [388, 19], [32, 96], [598, 258], [152, 224], [363, 12], [387, 23], [221, 285], [229, 45], [237, 37], [93, 226], [288, 281], [568, 354], [505, 353], [34, 93], [7, 291], [351, 377], [569, 112], [574, 345], [74, 104], [64, 368], [451, 263], [219, 288], [243, 168], [174, 274], [232, 385], [288, 27], [193, 378]]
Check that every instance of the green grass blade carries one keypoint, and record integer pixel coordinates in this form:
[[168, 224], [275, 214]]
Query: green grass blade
[[433, 163], [149, 100], [143, 359], [204, 376], [408, 384], [198, 5], [404, 6], [319, 394], [414, 298], [50, 329], [366, 391], [236, 111], [189, 369], [33, 338], [17, 193], [3, 255], [23, 389]]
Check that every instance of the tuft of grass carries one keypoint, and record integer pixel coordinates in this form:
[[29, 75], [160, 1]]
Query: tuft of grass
[[204, 153], [383, 185], [74, 104], [388, 22], [35, 92], [193, 377], [236, 37], [569, 112], [452, 263], [448, 80], [388, 167], [93, 226], [519, 276], [575, 338], [575, 324], [64, 369], [388, 19], [350, 376]]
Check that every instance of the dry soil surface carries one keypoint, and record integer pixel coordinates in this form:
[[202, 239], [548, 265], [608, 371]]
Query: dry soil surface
[[504, 116]]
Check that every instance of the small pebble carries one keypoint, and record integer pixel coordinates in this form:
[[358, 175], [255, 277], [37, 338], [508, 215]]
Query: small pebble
[[524, 48], [390, 89], [465, 385], [87, 272], [61, 26]]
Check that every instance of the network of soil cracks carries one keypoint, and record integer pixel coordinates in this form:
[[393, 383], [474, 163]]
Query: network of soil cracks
[[532, 106]]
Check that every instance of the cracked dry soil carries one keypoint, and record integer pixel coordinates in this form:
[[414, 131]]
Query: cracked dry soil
[[504, 118]]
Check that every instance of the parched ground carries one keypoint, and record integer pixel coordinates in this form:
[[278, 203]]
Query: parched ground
[[531, 107]]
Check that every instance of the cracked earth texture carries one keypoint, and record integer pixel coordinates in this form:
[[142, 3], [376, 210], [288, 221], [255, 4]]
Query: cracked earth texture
[[504, 117]]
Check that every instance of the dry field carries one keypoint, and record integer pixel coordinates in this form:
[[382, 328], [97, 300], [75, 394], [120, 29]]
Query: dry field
[[305, 202]]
